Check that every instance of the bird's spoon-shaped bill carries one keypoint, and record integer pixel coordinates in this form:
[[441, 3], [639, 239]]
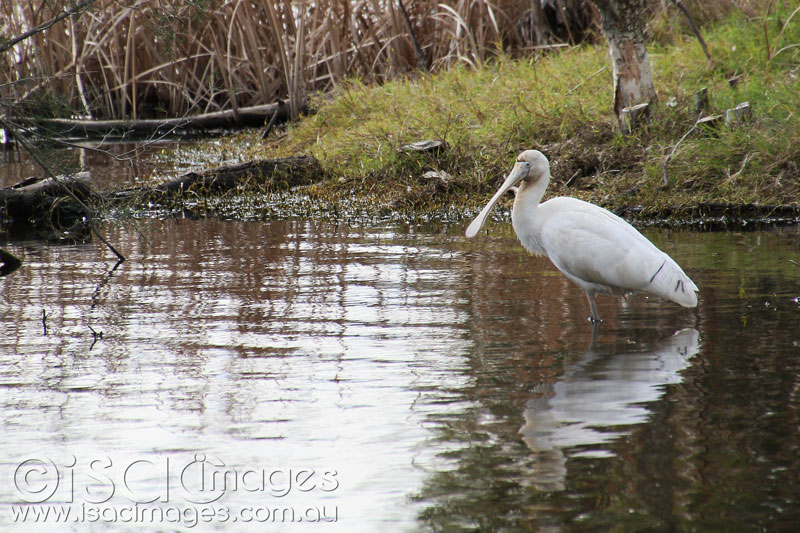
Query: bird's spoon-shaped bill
[[519, 171]]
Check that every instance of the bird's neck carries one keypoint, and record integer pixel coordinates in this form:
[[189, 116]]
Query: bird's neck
[[523, 217]]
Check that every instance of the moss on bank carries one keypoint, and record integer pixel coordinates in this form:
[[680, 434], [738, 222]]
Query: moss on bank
[[561, 104]]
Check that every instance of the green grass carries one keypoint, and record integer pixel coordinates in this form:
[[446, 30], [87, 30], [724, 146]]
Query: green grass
[[562, 104]]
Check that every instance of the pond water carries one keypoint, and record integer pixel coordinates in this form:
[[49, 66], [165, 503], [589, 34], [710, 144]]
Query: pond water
[[115, 165], [392, 378]]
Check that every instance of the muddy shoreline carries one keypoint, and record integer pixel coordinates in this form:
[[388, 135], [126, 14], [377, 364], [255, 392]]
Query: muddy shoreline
[[299, 187]]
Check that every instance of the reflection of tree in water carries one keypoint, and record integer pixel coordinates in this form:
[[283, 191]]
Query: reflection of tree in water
[[495, 482]]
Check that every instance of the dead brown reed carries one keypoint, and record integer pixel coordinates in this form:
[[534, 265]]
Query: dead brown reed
[[149, 57], [137, 58]]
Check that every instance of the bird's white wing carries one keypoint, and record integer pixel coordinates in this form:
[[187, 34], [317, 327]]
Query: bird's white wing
[[599, 250]]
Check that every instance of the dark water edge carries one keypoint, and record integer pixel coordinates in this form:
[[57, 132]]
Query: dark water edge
[[122, 165]]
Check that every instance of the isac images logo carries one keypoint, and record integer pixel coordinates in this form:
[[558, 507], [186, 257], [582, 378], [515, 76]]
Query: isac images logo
[[169, 490]]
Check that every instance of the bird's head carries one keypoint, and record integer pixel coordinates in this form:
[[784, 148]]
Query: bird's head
[[535, 164], [531, 167]]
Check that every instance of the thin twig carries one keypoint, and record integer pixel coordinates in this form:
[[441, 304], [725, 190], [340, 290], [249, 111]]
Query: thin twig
[[97, 336], [420, 57], [120, 257], [102, 283], [694, 27], [50, 174], [674, 148], [738, 173], [587, 79], [573, 178], [41, 27], [273, 119], [125, 156]]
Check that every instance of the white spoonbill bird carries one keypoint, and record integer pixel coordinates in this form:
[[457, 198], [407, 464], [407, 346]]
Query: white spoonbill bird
[[593, 247]]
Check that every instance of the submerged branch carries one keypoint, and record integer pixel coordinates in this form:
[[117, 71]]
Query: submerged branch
[[8, 262], [66, 200], [60, 185], [278, 173]]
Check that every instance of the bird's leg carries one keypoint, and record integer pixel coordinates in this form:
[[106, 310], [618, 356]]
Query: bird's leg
[[594, 315], [595, 335]]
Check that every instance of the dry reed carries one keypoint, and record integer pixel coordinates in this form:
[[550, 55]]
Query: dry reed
[[136, 58], [148, 57]]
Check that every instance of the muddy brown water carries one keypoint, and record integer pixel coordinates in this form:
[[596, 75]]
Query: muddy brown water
[[395, 378]]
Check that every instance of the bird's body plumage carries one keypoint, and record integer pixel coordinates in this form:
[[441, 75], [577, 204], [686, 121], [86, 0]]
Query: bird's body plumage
[[591, 246]]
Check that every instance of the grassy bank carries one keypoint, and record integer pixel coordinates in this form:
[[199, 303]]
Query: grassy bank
[[561, 104]]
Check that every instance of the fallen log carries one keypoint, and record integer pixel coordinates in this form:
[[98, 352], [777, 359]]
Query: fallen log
[[53, 201], [273, 174], [59, 202], [255, 116]]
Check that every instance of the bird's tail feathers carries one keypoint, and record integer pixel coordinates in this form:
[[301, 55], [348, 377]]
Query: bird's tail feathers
[[670, 282]]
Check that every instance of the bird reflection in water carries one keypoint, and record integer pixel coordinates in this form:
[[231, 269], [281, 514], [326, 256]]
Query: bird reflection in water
[[601, 391]]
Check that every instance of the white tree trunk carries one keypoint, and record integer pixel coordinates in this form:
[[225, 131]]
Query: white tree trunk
[[633, 79], [624, 24]]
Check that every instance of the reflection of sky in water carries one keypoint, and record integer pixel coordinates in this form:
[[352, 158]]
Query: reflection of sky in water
[[407, 362], [279, 355], [596, 398]]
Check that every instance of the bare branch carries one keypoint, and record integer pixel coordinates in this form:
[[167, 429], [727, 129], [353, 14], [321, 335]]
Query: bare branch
[[42, 27], [693, 26]]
